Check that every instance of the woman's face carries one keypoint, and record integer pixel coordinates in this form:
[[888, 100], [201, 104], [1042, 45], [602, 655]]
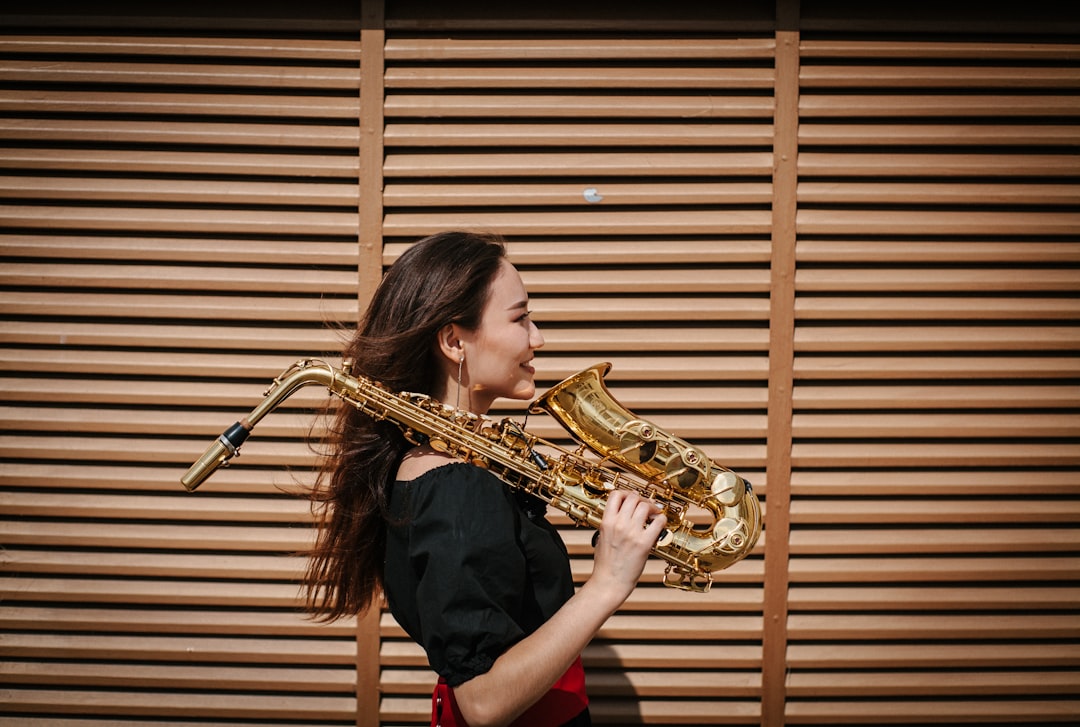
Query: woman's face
[[499, 353]]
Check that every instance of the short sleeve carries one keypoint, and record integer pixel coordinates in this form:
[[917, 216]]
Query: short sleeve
[[465, 565]]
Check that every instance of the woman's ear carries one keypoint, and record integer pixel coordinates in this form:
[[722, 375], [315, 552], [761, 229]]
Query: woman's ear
[[450, 343]]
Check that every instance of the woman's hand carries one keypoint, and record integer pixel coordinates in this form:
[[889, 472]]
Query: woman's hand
[[630, 527]]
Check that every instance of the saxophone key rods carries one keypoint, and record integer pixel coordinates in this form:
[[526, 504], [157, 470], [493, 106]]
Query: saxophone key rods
[[627, 452]]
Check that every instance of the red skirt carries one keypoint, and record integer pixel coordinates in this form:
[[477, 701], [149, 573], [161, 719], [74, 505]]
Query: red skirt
[[565, 700]]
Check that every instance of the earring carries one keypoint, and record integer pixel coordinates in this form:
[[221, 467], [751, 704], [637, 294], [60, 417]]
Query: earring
[[460, 363]]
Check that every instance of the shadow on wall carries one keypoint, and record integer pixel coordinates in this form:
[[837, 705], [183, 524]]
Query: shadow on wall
[[612, 695]]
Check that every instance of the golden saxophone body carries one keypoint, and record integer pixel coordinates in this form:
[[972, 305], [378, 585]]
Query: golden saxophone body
[[713, 516]]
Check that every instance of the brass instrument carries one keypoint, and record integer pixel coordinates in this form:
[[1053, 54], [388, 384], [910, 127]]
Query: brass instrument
[[635, 455]]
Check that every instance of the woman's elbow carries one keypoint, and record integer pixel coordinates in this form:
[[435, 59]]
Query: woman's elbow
[[482, 707]]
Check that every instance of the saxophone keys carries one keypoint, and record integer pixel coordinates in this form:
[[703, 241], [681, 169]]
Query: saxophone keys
[[728, 488]]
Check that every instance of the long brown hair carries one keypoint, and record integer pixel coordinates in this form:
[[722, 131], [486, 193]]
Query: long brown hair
[[442, 279]]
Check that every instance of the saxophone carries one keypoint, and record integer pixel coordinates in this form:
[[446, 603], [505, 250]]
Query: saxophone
[[634, 454]]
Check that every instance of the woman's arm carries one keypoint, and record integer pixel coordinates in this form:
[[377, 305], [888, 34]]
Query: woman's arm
[[630, 528]]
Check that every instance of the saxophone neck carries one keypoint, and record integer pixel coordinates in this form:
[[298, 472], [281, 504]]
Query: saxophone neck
[[227, 445]]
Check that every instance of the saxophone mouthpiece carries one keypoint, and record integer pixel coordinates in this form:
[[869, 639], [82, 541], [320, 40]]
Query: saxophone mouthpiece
[[220, 451]]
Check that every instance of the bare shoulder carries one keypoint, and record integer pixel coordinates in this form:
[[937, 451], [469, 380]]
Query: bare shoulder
[[419, 460]]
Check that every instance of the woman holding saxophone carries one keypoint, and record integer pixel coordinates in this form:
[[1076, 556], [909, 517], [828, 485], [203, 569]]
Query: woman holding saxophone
[[470, 568]]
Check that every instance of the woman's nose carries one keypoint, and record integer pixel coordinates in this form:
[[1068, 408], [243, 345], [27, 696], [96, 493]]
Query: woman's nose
[[536, 339]]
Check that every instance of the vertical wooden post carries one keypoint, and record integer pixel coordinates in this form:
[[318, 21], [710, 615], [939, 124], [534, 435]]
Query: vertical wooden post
[[781, 364], [370, 215], [372, 94]]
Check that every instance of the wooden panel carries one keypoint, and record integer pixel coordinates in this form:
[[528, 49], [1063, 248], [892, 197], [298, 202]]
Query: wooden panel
[[632, 177], [935, 469], [167, 200]]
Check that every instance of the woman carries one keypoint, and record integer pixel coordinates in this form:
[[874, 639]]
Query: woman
[[470, 568]]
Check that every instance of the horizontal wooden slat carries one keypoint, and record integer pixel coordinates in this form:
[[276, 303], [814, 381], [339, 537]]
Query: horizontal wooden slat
[[502, 194], [608, 254], [180, 507], [238, 566], [973, 252], [282, 680], [211, 221], [954, 394], [853, 134], [292, 339], [947, 627], [595, 76], [236, 75], [951, 280], [936, 568], [931, 682], [648, 308], [936, 454], [923, 76], [58, 721], [1000, 483], [966, 426], [939, 366], [119, 392], [518, 106], [480, 133], [203, 279], [979, 165], [590, 164], [919, 307], [575, 222], [945, 338], [939, 656], [163, 306], [159, 536], [935, 598], [259, 451], [931, 193], [936, 222], [402, 47], [174, 191], [342, 166], [928, 106], [925, 49], [343, 135], [145, 250], [207, 46], [882, 540], [126, 592], [908, 711], [264, 622], [114, 477], [960, 511], [173, 704], [218, 105]]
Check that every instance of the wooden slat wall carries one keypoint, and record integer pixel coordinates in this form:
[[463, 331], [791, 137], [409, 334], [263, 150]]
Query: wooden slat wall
[[936, 453], [178, 223], [631, 173]]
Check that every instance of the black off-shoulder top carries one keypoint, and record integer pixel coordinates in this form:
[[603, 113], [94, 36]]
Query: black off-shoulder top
[[472, 567]]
